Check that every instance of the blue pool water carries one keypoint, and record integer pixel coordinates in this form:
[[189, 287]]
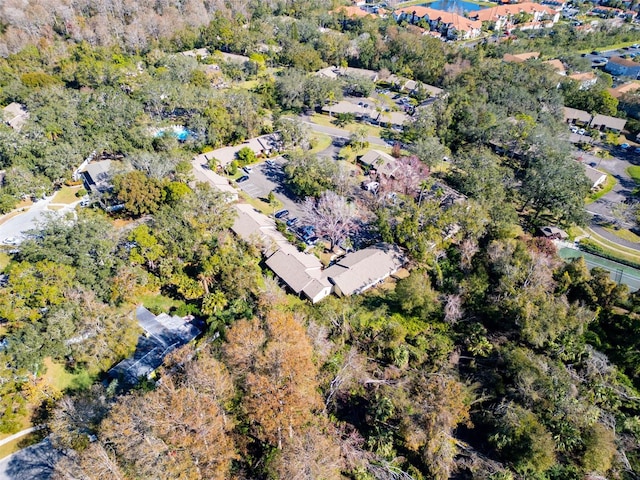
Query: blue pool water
[[181, 134], [456, 6]]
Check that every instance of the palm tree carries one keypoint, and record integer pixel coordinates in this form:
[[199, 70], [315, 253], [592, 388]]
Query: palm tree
[[213, 302]]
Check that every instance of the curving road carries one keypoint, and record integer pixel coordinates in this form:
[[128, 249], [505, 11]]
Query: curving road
[[622, 191]]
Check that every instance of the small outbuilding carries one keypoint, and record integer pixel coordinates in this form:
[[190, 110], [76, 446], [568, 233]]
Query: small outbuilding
[[554, 233]]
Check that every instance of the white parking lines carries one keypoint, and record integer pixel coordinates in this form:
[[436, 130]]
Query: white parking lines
[[252, 189]]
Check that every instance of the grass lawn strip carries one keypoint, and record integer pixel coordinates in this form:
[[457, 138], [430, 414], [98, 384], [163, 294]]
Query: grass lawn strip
[[322, 142], [624, 234], [611, 248], [19, 444], [634, 172], [609, 183], [66, 195], [325, 121]]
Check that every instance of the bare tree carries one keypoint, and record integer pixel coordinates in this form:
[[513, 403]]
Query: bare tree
[[407, 177], [453, 308], [331, 216]]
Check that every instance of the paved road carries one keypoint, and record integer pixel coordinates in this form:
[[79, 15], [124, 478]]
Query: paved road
[[622, 190], [32, 463], [15, 227]]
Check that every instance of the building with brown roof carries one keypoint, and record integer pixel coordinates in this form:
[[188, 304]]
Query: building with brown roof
[[586, 79], [520, 57], [450, 25], [620, 90], [574, 116], [510, 16], [557, 66], [351, 11]]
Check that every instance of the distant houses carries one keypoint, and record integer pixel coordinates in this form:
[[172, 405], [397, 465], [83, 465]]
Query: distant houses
[[521, 16], [367, 113], [574, 116], [450, 25], [620, 90]]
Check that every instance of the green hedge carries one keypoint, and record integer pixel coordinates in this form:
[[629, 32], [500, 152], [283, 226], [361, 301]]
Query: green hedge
[[591, 247]]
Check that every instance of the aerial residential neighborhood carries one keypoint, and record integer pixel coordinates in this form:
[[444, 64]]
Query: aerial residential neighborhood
[[319, 239]]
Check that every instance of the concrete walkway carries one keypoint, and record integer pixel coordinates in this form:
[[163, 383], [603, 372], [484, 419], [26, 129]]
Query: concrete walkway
[[22, 433]]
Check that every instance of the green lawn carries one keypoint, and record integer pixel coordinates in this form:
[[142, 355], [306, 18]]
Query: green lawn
[[608, 185], [611, 248], [624, 234], [19, 444], [322, 142], [66, 195], [261, 206], [59, 379], [325, 121], [4, 260], [634, 172], [615, 46], [158, 302]]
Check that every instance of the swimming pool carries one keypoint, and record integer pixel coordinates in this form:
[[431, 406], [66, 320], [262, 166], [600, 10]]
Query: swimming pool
[[177, 131], [456, 6]]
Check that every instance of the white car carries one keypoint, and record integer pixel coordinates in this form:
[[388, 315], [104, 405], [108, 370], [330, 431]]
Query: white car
[[582, 131], [574, 129]]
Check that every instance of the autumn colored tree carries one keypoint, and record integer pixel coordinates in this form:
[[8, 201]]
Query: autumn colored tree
[[280, 381], [178, 430]]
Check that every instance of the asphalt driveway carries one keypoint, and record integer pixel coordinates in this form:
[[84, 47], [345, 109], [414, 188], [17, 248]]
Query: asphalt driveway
[[270, 178]]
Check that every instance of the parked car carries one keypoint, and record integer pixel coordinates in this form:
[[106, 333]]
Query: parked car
[[311, 241], [292, 221], [243, 178], [270, 163], [307, 232], [281, 213], [625, 146], [247, 169], [636, 150], [582, 131], [574, 129]]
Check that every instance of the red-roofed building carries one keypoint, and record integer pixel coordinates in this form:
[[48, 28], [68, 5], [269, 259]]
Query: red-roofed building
[[450, 25], [523, 16], [351, 12]]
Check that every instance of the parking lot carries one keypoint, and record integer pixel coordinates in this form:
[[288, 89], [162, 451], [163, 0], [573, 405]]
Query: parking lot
[[265, 178]]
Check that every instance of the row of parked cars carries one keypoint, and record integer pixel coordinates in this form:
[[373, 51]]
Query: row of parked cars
[[306, 233]]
